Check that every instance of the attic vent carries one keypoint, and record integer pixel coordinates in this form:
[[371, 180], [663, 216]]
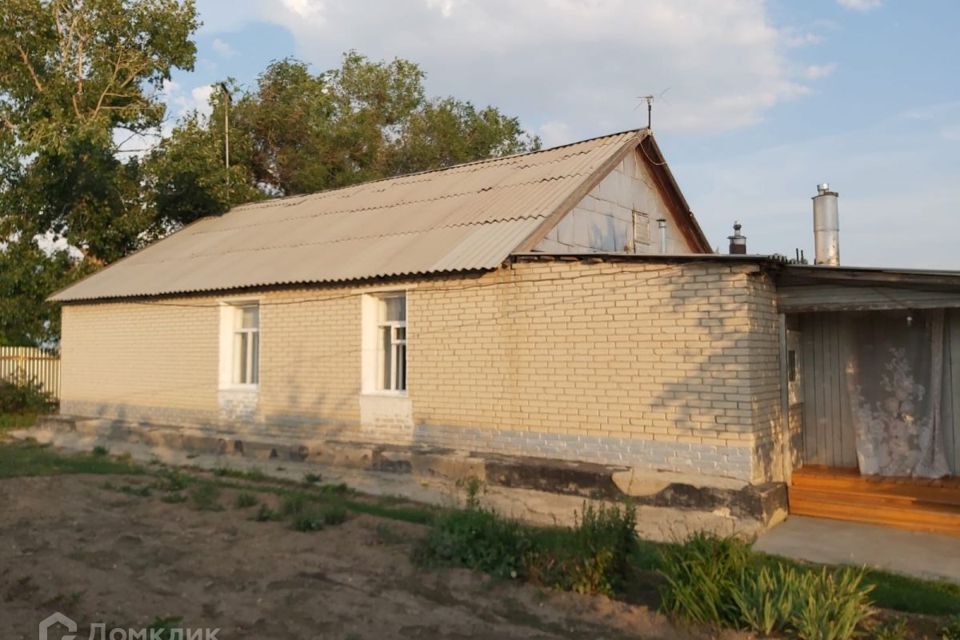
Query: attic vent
[[641, 229]]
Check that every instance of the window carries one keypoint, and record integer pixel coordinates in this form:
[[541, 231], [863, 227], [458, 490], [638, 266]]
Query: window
[[641, 231], [392, 343], [246, 345]]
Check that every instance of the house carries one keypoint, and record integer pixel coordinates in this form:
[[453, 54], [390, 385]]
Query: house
[[557, 315]]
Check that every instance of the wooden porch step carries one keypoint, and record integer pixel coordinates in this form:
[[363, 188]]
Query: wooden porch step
[[890, 491], [909, 519], [840, 494]]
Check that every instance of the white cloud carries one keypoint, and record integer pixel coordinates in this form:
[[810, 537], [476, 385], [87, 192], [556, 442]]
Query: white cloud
[[445, 7], [818, 71], [951, 133], [312, 9], [578, 62], [554, 133], [179, 102], [860, 5], [793, 38], [223, 48]]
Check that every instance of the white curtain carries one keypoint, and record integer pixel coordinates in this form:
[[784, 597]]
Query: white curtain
[[894, 374]]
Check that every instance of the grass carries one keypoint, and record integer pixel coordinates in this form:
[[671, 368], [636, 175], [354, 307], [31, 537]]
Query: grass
[[254, 475], [895, 591], [28, 458], [266, 514], [11, 421], [245, 499], [206, 497], [315, 519], [136, 490], [485, 541]]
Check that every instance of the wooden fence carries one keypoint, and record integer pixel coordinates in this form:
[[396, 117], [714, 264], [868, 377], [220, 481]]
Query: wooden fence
[[30, 363]]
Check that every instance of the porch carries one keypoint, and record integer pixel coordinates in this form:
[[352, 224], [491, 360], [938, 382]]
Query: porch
[[871, 392], [914, 504]]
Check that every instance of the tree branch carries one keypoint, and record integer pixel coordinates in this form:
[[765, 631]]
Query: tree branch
[[33, 72]]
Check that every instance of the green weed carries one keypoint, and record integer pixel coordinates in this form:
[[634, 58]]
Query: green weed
[[316, 519], [266, 514], [172, 480], [162, 628], [24, 394], [245, 500], [714, 580], [28, 458], [891, 631], [255, 475], [206, 497], [137, 490], [951, 630]]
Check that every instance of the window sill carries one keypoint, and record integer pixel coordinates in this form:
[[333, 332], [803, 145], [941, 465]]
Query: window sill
[[385, 394], [250, 388]]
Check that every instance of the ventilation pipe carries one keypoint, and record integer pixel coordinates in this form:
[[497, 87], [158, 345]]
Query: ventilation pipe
[[738, 241], [826, 226], [662, 224]]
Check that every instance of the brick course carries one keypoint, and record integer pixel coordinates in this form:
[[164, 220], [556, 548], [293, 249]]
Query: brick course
[[659, 365]]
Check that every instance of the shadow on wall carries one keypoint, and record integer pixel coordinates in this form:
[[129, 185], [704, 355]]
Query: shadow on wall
[[705, 381], [706, 371]]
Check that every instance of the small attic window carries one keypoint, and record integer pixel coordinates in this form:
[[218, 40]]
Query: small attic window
[[641, 229]]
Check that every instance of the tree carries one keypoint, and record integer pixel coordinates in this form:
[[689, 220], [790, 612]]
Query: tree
[[28, 274], [79, 76], [76, 76], [299, 132]]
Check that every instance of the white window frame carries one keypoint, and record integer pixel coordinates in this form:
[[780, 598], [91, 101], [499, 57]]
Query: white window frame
[[374, 325], [641, 230], [398, 348], [231, 325]]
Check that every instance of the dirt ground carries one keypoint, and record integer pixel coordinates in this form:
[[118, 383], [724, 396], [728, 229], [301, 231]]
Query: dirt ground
[[69, 544]]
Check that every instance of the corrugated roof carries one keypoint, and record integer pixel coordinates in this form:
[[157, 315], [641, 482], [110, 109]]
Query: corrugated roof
[[466, 217]]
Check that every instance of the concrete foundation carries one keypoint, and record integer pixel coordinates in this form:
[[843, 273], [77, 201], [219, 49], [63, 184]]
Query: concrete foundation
[[539, 490]]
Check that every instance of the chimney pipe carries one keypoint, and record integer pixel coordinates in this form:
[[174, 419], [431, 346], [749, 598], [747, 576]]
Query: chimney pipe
[[662, 224], [826, 226], [738, 241]]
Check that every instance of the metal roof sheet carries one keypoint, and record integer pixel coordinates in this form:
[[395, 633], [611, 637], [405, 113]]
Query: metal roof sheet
[[466, 217]]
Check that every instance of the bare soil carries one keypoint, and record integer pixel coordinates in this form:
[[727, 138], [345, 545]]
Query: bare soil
[[69, 544]]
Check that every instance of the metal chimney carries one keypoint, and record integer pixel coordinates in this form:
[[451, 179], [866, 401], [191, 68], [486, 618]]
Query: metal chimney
[[662, 226], [826, 226], [738, 241]]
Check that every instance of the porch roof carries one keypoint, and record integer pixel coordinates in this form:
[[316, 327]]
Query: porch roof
[[808, 288]]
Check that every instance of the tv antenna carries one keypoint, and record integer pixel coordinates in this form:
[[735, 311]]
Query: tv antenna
[[226, 133], [649, 100]]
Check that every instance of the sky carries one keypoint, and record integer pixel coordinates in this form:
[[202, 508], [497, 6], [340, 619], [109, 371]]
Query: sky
[[756, 101]]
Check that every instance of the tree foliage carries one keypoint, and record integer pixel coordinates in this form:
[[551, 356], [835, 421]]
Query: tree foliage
[[28, 274], [74, 76], [299, 132], [78, 77]]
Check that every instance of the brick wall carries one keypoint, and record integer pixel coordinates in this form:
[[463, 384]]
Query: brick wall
[[667, 366], [140, 361]]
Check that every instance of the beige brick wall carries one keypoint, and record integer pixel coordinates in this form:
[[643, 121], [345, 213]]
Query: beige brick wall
[[670, 366], [130, 359]]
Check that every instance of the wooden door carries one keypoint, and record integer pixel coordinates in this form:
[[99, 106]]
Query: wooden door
[[828, 432]]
